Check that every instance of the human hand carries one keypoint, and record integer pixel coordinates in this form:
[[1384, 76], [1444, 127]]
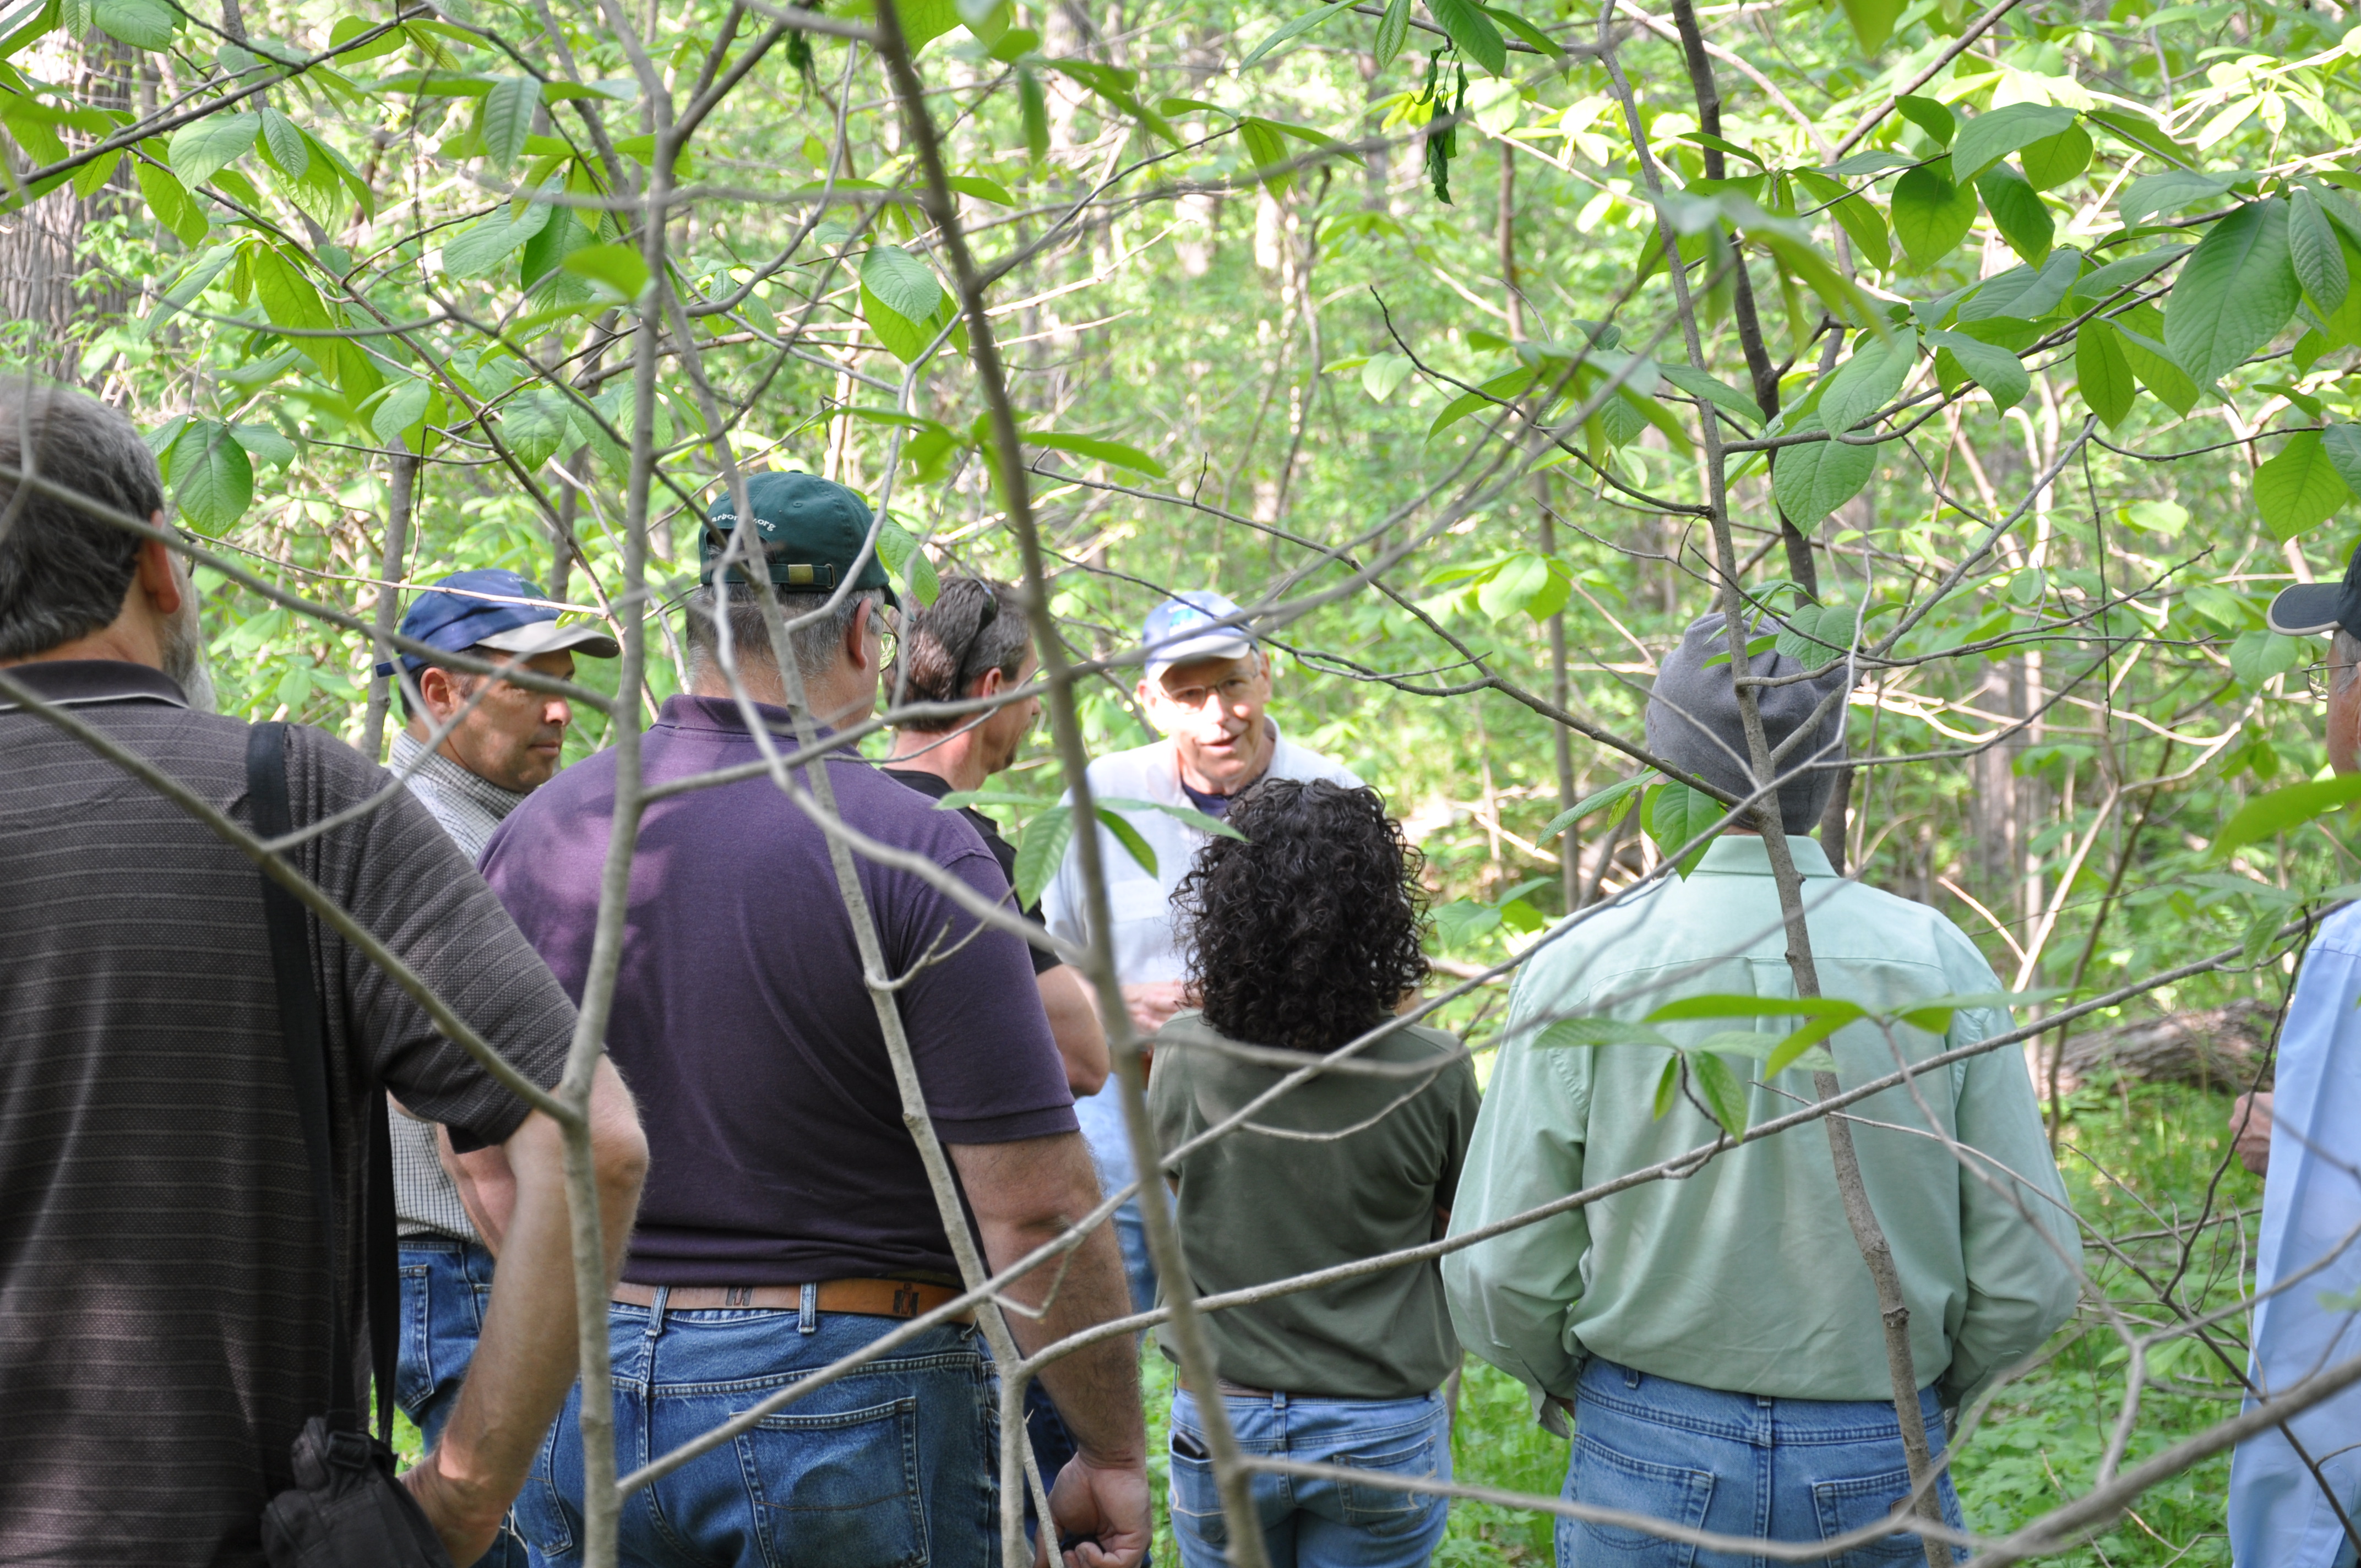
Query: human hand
[[2250, 1121], [1153, 1002], [1108, 1503], [466, 1522]]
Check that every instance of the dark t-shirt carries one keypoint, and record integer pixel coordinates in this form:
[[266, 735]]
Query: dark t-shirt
[[1381, 1336], [934, 787], [777, 1153], [164, 1320]]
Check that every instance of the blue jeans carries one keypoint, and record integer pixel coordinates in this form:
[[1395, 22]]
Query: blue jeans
[[1737, 1463], [446, 1285], [893, 1465], [1138, 1264], [1318, 1524]]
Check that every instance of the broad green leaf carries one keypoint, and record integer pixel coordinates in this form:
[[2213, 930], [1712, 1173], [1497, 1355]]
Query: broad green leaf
[[1668, 1085], [1267, 147], [1040, 851], [1505, 388], [1033, 112], [401, 411], [168, 200], [213, 478], [1394, 30], [1989, 137], [1673, 814], [1115, 452], [1463, 921], [1128, 837], [1869, 380], [1295, 28], [2054, 160], [902, 283], [507, 119], [1570, 1032], [1989, 366], [2026, 294], [286, 144], [194, 280], [2167, 192], [983, 190], [1939, 124], [484, 247], [2016, 211], [1473, 32], [1813, 479], [1816, 636], [1860, 222], [1723, 1091], [2103, 373], [1383, 373], [2312, 247], [898, 548], [202, 149], [266, 442], [2157, 370], [1932, 216], [1873, 22], [2343, 445], [2236, 290], [534, 425], [2300, 488], [1801, 1049], [620, 267], [1934, 1014], [2098, 284], [1596, 800], [2256, 656], [1214, 825], [142, 24], [1713, 389], [2282, 809], [1745, 1005], [291, 300]]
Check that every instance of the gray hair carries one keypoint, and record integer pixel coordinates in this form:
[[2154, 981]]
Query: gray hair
[[815, 643], [63, 572], [1692, 721], [2343, 660]]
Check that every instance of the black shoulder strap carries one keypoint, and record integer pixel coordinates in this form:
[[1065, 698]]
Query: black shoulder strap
[[301, 1026]]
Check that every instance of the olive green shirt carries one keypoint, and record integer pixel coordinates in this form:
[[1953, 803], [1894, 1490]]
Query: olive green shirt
[[1258, 1205], [1745, 1277]]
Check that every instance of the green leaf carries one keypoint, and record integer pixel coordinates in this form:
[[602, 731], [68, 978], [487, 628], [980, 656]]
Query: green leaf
[[1115, 452], [1596, 800], [2157, 370], [1811, 480], [1939, 124], [2024, 293], [901, 283], [202, 149], [1463, 921], [2300, 488], [290, 298], [286, 144], [2236, 290], [1668, 1085], [1989, 137], [898, 548], [1869, 380], [1801, 1049], [1722, 1090], [983, 190], [1384, 373], [168, 200], [2311, 246], [142, 24], [1746, 1005], [2017, 210], [1294, 28], [620, 267], [1873, 22], [1673, 814], [508, 119], [1394, 30], [2103, 373], [484, 247], [1197, 820], [400, 411], [2280, 809], [2343, 445], [1473, 32], [266, 442], [1571, 1031], [2099, 284], [1991, 367], [2167, 192], [1934, 1014], [1267, 147], [1860, 221], [2256, 656], [2053, 160], [534, 425], [1816, 636], [1715, 390], [213, 478], [1040, 850], [1128, 837], [1932, 216]]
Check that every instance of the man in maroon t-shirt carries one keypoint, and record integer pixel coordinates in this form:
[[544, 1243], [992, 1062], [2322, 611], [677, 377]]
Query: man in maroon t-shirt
[[787, 1219]]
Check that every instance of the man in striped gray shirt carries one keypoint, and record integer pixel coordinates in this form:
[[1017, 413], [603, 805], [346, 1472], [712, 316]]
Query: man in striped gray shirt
[[497, 746]]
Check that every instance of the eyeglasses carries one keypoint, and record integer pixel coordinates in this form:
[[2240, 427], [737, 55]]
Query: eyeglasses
[[2316, 679], [889, 639]]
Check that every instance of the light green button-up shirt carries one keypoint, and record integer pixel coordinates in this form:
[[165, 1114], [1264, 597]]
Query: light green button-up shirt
[[1745, 1277]]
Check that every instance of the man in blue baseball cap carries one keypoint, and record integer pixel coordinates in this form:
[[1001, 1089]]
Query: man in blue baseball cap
[[498, 752], [1205, 684]]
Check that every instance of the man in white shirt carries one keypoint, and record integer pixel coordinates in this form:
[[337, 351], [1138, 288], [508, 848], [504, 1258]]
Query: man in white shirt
[[2281, 1516], [1205, 685]]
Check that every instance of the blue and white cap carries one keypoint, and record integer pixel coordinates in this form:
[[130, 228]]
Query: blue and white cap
[[1166, 633]]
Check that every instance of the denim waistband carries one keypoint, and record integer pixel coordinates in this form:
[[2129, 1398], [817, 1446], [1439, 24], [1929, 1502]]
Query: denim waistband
[[1761, 1419]]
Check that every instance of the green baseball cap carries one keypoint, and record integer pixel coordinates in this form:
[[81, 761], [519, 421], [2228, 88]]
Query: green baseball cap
[[812, 530]]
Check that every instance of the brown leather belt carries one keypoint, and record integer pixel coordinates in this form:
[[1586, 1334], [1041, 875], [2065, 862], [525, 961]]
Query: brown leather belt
[[864, 1297]]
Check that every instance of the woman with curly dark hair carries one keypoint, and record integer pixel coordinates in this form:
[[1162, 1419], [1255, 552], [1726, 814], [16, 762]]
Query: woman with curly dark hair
[[1304, 938]]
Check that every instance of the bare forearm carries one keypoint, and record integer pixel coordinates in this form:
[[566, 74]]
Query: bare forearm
[[1074, 1024], [1096, 1389]]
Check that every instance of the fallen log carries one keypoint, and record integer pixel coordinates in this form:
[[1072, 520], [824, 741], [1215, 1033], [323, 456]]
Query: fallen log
[[2217, 1048]]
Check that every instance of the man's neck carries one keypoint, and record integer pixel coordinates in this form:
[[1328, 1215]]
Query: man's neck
[[125, 641], [832, 701], [955, 758]]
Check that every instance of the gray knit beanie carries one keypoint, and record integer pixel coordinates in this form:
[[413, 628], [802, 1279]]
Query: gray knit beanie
[[1692, 720]]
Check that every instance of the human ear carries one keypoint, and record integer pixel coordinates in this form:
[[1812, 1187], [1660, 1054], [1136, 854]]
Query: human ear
[[158, 581]]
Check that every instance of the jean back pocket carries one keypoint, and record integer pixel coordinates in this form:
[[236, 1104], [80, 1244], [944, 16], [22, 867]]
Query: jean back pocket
[[1385, 1511], [1845, 1505], [1605, 1479], [839, 1488]]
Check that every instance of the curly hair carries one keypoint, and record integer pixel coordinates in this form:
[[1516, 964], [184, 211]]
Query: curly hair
[[1308, 933]]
